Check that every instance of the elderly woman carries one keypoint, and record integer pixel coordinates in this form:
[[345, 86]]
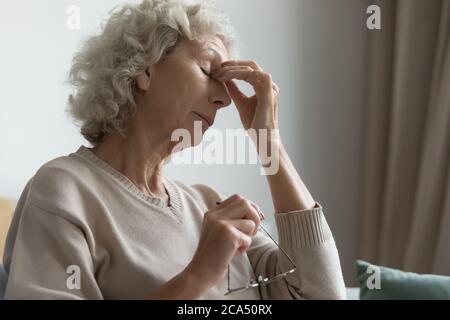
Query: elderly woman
[[105, 223]]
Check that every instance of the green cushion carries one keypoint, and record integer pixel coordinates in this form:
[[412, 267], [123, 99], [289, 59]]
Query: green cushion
[[396, 284]]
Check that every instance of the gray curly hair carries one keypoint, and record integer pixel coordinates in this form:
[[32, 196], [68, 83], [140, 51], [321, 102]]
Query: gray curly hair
[[134, 38]]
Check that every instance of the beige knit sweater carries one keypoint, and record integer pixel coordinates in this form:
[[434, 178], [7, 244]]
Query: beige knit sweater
[[79, 211]]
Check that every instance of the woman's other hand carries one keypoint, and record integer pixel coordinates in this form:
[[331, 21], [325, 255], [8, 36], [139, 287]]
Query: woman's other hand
[[227, 231]]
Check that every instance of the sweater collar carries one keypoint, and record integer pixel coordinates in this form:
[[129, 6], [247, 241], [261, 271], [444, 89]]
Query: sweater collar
[[175, 203]]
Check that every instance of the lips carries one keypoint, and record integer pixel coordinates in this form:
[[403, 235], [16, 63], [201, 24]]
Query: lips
[[207, 119]]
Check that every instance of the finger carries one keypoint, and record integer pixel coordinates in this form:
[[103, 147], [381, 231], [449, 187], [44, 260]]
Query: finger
[[241, 209], [257, 79], [237, 206], [245, 226], [229, 200], [262, 215], [275, 88], [235, 92], [251, 64], [244, 242], [223, 70], [240, 99]]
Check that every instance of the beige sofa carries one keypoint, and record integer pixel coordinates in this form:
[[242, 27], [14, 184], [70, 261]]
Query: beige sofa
[[6, 210]]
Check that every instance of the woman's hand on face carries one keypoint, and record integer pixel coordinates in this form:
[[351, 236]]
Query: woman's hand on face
[[226, 232], [260, 110]]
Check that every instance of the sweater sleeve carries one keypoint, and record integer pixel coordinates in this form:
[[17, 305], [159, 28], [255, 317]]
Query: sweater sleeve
[[50, 259], [307, 239]]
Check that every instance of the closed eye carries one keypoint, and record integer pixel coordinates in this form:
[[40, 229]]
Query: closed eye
[[208, 75]]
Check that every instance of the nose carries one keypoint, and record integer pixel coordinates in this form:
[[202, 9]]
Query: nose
[[219, 96]]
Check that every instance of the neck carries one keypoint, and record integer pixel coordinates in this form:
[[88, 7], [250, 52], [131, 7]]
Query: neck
[[137, 157]]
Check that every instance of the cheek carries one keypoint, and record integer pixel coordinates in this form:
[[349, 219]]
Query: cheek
[[192, 96], [195, 81], [184, 95], [194, 85]]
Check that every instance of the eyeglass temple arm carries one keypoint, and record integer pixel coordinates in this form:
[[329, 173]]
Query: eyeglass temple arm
[[282, 250]]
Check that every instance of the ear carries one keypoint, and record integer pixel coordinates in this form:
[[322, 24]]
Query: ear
[[143, 80]]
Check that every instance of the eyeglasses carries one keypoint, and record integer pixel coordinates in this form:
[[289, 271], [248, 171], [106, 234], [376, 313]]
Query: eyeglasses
[[261, 281]]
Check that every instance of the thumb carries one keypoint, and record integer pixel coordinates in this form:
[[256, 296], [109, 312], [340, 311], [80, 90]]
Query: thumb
[[235, 93]]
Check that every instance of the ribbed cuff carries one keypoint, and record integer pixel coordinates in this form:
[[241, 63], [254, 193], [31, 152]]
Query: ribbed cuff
[[303, 228]]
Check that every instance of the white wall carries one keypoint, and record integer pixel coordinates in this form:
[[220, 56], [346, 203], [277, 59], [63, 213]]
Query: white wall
[[333, 56], [35, 56], [315, 50]]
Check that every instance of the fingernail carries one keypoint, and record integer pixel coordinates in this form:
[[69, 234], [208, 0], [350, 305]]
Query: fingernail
[[262, 214]]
